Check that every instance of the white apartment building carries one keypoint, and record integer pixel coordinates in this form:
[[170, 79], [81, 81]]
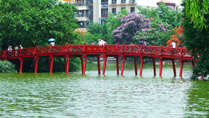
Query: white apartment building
[[98, 10]]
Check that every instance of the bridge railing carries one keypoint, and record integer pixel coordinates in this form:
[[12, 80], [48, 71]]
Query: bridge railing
[[91, 49]]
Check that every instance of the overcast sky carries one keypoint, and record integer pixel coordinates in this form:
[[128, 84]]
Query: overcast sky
[[154, 2]]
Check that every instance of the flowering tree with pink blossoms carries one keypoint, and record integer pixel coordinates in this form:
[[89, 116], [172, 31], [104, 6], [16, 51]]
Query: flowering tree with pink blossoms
[[130, 25]]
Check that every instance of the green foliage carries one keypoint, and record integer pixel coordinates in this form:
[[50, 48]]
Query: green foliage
[[197, 41], [197, 11], [104, 31], [6, 66], [162, 23], [32, 23]]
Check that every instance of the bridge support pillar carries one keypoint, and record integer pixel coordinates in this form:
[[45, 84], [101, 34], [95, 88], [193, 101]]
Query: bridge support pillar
[[181, 68], [98, 64], [51, 64], [161, 67], [81, 64], [154, 66], [117, 64], [104, 66], [123, 63], [67, 64], [141, 66], [21, 64], [193, 64], [84, 67], [135, 65], [35, 64], [174, 68]]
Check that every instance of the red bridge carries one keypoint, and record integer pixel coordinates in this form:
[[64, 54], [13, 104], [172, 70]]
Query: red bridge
[[84, 51]]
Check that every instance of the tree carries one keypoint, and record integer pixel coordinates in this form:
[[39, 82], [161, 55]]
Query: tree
[[32, 23], [197, 11], [196, 39], [130, 25], [162, 21]]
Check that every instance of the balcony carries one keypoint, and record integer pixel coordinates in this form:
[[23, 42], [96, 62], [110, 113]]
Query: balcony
[[82, 15], [131, 1], [104, 3]]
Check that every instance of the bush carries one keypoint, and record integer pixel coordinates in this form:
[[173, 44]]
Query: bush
[[6, 66]]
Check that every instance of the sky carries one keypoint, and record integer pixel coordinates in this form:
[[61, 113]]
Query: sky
[[154, 2]]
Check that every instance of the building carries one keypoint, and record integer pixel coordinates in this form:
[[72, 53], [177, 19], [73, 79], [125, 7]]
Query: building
[[98, 10], [115, 6]]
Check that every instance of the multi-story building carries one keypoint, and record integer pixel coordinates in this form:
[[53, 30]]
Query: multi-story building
[[98, 10], [115, 6]]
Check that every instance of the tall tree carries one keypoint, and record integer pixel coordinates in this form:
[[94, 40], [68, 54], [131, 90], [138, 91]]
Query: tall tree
[[196, 38], [130, 25], [31, 23]]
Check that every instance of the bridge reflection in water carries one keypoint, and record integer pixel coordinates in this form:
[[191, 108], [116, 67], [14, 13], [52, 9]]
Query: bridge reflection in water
[[116, 50]]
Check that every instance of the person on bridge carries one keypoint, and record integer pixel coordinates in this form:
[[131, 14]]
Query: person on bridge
[[10, 50], [101, 42], [16, 50], [21, 47], [173, 44]]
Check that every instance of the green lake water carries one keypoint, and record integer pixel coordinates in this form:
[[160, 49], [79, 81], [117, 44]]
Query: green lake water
[[110, 96]]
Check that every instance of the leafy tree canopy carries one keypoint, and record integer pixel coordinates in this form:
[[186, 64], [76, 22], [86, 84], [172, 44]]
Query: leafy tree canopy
[[33, 22]]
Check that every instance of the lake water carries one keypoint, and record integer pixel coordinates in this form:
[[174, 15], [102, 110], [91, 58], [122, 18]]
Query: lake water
[[110, 96]]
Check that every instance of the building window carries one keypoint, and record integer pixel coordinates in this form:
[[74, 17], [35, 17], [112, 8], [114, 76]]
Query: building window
[[131, 1], [104, 2], [132, 9], [123, 8], [113, 1], [123, 1], [104, 12], [114, 11]]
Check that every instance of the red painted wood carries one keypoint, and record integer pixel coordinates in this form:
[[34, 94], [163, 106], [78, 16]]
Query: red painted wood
[[117, 64], [98, 64], [104, 66], [21, 65], [161, 67], [135, 65], [67, 65], [123, 63], [36, 65], [95, 50], [154, 66], [174, 68], [84, 67], [181, 68], [51, 64], [82, 64], [141, 66]]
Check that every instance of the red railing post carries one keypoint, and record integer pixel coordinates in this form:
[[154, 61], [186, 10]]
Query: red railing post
[[123, 64], [174, 68], [181, 68], [36, 64], [117, 64], [135, 64], [35, 50], [5, 53], [67, 64], [161, 66], [21, 64], [104, 66], [141, 66], [98, 64], [154, 66]]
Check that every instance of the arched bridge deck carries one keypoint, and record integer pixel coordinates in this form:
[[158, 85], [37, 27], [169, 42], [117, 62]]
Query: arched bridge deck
[[83, 51]]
